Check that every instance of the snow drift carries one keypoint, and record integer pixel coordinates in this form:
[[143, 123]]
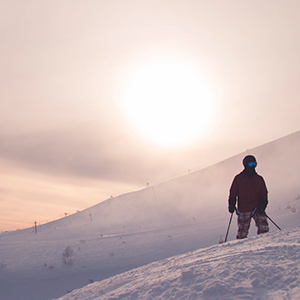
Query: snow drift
[[266, 267]]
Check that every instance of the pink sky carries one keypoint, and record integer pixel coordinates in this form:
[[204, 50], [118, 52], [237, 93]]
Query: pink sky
[[65, 142]]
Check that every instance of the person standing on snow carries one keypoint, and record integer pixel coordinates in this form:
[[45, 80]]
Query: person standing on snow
[[250, 191]]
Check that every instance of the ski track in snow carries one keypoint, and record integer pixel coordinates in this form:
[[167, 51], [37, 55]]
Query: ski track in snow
[[263, 267]]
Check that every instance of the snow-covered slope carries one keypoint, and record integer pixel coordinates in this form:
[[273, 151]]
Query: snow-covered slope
[[264, 267], [132, 230]]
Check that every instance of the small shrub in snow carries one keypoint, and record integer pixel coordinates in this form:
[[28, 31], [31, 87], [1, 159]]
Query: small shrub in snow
[[68, 256], [2, 264]]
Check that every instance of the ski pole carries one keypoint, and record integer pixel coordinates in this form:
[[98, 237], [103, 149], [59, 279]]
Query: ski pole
[[254, 212], [272, 221], [228, 228]]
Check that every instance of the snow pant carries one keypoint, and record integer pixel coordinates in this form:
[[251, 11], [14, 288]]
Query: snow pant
[[244, 220]]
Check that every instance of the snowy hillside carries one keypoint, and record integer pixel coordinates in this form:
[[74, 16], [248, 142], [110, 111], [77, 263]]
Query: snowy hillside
[[264, 267], [171, 218]]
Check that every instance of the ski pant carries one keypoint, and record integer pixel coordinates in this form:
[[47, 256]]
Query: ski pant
[[244, 220]]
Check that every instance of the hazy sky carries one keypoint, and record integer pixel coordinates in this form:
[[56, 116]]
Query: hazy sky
[[69, 137]]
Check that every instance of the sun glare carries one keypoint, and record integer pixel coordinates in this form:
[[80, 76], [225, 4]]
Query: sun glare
[[169, 102]]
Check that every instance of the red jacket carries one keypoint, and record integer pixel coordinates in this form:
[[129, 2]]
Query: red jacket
[[248, 190]]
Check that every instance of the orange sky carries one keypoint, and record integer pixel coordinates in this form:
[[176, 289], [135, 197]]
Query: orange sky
[[65, 141]]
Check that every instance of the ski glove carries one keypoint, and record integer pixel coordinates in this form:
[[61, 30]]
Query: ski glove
[[262, 204], [231, 205]]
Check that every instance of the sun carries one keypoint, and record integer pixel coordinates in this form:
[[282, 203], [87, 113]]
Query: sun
[[169, 102]]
